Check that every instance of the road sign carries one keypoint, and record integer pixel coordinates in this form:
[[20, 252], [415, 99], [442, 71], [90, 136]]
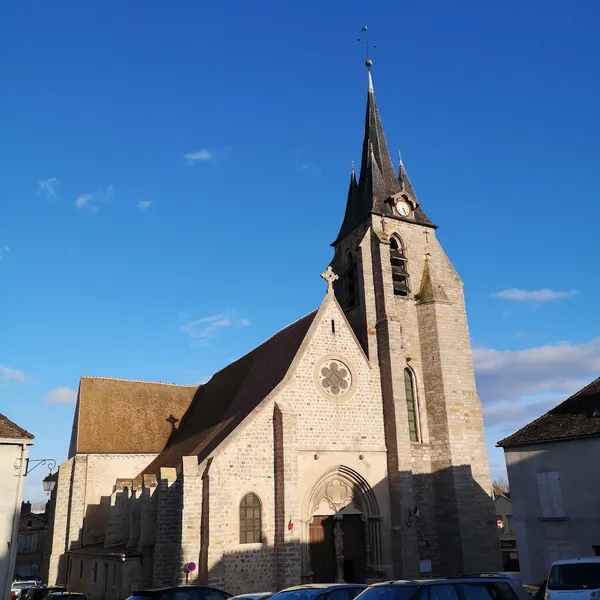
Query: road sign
[[500, 524], [34, 568], [190, 567]]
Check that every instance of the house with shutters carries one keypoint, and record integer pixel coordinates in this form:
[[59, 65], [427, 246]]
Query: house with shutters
[[554, 476]]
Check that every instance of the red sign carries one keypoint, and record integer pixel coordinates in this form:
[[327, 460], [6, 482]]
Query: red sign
[[500, 524], [190, 567]]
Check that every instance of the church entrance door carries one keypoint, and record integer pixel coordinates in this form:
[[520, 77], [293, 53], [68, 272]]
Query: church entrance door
[[323, 549]]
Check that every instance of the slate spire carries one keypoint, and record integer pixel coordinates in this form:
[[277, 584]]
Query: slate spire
[[378, 181]]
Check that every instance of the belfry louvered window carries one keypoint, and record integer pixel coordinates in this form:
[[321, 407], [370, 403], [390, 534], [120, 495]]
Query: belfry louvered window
[[411, 405], [399, 268], [350, 283], [250, 520]]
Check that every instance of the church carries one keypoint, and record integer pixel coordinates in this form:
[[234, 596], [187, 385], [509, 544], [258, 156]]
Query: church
[[349, 446]]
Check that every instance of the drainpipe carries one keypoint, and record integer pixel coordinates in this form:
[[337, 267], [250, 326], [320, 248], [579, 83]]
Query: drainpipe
[[14, 538]]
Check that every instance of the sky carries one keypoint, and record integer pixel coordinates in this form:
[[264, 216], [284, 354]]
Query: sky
[[172, 176]]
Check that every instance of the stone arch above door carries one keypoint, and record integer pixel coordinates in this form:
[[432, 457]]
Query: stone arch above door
[[338, 492]]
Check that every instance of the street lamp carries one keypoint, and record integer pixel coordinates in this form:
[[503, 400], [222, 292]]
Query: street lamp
[[49, 483]]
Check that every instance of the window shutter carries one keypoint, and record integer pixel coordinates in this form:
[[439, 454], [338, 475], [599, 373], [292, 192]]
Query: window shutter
[[544, 493], [558, 508]]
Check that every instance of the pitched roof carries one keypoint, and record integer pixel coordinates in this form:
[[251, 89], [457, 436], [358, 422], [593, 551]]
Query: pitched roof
[[378, 180], [117, 416], [576, 417], [231, 395], [10, 430]]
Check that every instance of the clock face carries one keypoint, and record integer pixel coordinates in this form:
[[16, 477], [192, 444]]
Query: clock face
[[402, 208]]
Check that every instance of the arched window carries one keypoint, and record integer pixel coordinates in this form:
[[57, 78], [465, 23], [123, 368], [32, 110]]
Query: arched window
[[350, 283], [411, 405], [399, 268], [250, 520]]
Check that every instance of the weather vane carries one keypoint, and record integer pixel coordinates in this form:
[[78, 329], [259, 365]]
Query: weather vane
[[365, 41]]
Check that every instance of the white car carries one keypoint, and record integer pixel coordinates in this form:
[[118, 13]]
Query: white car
[[574, 579]]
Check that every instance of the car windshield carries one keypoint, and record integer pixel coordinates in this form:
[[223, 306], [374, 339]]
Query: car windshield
[[575, 576], [302, 594], [389, 592]]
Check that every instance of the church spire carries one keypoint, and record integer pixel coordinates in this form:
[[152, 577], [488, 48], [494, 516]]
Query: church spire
[[378, 183]]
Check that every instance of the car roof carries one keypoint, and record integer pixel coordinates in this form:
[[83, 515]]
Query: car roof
[[322, 586], [487, 578], [192, 587], [580, 559]]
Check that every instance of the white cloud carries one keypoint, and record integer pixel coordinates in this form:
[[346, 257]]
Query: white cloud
[[203, 329], [48, 186], [199, 156], [92, 201], [537, 296], [10, 373], [144, 204], [61, 395]]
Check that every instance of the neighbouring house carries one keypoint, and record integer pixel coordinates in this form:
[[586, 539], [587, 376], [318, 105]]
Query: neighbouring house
[[506, 533], [33, 527], [554, 482], [14, 451], [349, 445]]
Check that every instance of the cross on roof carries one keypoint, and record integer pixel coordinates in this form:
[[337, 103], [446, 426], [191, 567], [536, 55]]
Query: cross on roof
[[172, 420], [329, 276]]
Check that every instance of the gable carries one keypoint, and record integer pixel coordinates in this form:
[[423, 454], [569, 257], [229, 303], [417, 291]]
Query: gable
[[231, 395], [10, 430]]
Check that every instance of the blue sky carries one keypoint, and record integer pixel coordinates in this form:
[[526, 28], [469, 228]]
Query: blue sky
[[165, 164]]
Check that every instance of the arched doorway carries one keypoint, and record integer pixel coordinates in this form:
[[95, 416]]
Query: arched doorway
[[341, 529]]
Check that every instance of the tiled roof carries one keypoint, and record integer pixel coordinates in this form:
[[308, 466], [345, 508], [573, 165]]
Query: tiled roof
[[231, 395], [118, 416], [10, 430], [578, 416]]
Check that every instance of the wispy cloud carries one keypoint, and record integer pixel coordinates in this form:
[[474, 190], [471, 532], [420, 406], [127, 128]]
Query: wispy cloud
[[4, 250], [10, 373], [61, 395], [48, 186], [203, 329], [203, 155], [93, 200], [144, 204], [535, 296], [310, 169]]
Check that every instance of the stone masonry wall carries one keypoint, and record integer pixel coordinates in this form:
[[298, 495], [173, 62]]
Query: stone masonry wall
[[191, 514]]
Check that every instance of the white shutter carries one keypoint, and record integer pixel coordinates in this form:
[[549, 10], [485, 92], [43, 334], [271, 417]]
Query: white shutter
[[544, 493], [558, 509]]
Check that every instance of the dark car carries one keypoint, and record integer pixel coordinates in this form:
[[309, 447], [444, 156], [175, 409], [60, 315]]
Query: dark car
[[66, 596], [40, 593], [458, 588], [320, 591], [183, 592]]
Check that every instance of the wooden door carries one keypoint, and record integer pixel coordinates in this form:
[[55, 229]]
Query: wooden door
[[322, 555]]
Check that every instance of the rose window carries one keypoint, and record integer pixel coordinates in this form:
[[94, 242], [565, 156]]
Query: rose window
[[335, 378]]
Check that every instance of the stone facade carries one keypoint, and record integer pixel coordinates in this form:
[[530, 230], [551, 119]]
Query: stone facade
[[373, 427]]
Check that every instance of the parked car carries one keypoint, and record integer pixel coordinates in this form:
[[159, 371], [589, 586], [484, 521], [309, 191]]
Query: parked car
[[574, 578], [17, 587], [66, 596], [183, 592], [257, 596], [40, 593], [456, 588], [320, 591]]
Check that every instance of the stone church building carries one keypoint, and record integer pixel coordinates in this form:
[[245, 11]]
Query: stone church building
[[348, 446]]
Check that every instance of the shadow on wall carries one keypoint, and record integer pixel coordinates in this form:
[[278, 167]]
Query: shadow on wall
[[443, 524]]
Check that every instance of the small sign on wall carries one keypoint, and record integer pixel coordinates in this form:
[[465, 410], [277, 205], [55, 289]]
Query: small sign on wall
[[425, 566]]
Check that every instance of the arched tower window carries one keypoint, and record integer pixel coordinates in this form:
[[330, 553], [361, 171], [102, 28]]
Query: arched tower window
[[399, 268], [411, 405], [250, 520], [350, 283]]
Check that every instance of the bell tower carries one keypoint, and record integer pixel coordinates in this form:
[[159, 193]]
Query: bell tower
[[405, 302]]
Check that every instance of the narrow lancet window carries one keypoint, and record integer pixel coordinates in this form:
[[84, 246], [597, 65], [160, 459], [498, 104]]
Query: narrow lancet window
[[350, 283], [411, 405], [250, 520], [399, 268]]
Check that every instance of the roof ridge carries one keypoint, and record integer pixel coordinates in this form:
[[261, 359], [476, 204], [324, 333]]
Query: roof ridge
[[20, 432], [140, 381], [578, 393]]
